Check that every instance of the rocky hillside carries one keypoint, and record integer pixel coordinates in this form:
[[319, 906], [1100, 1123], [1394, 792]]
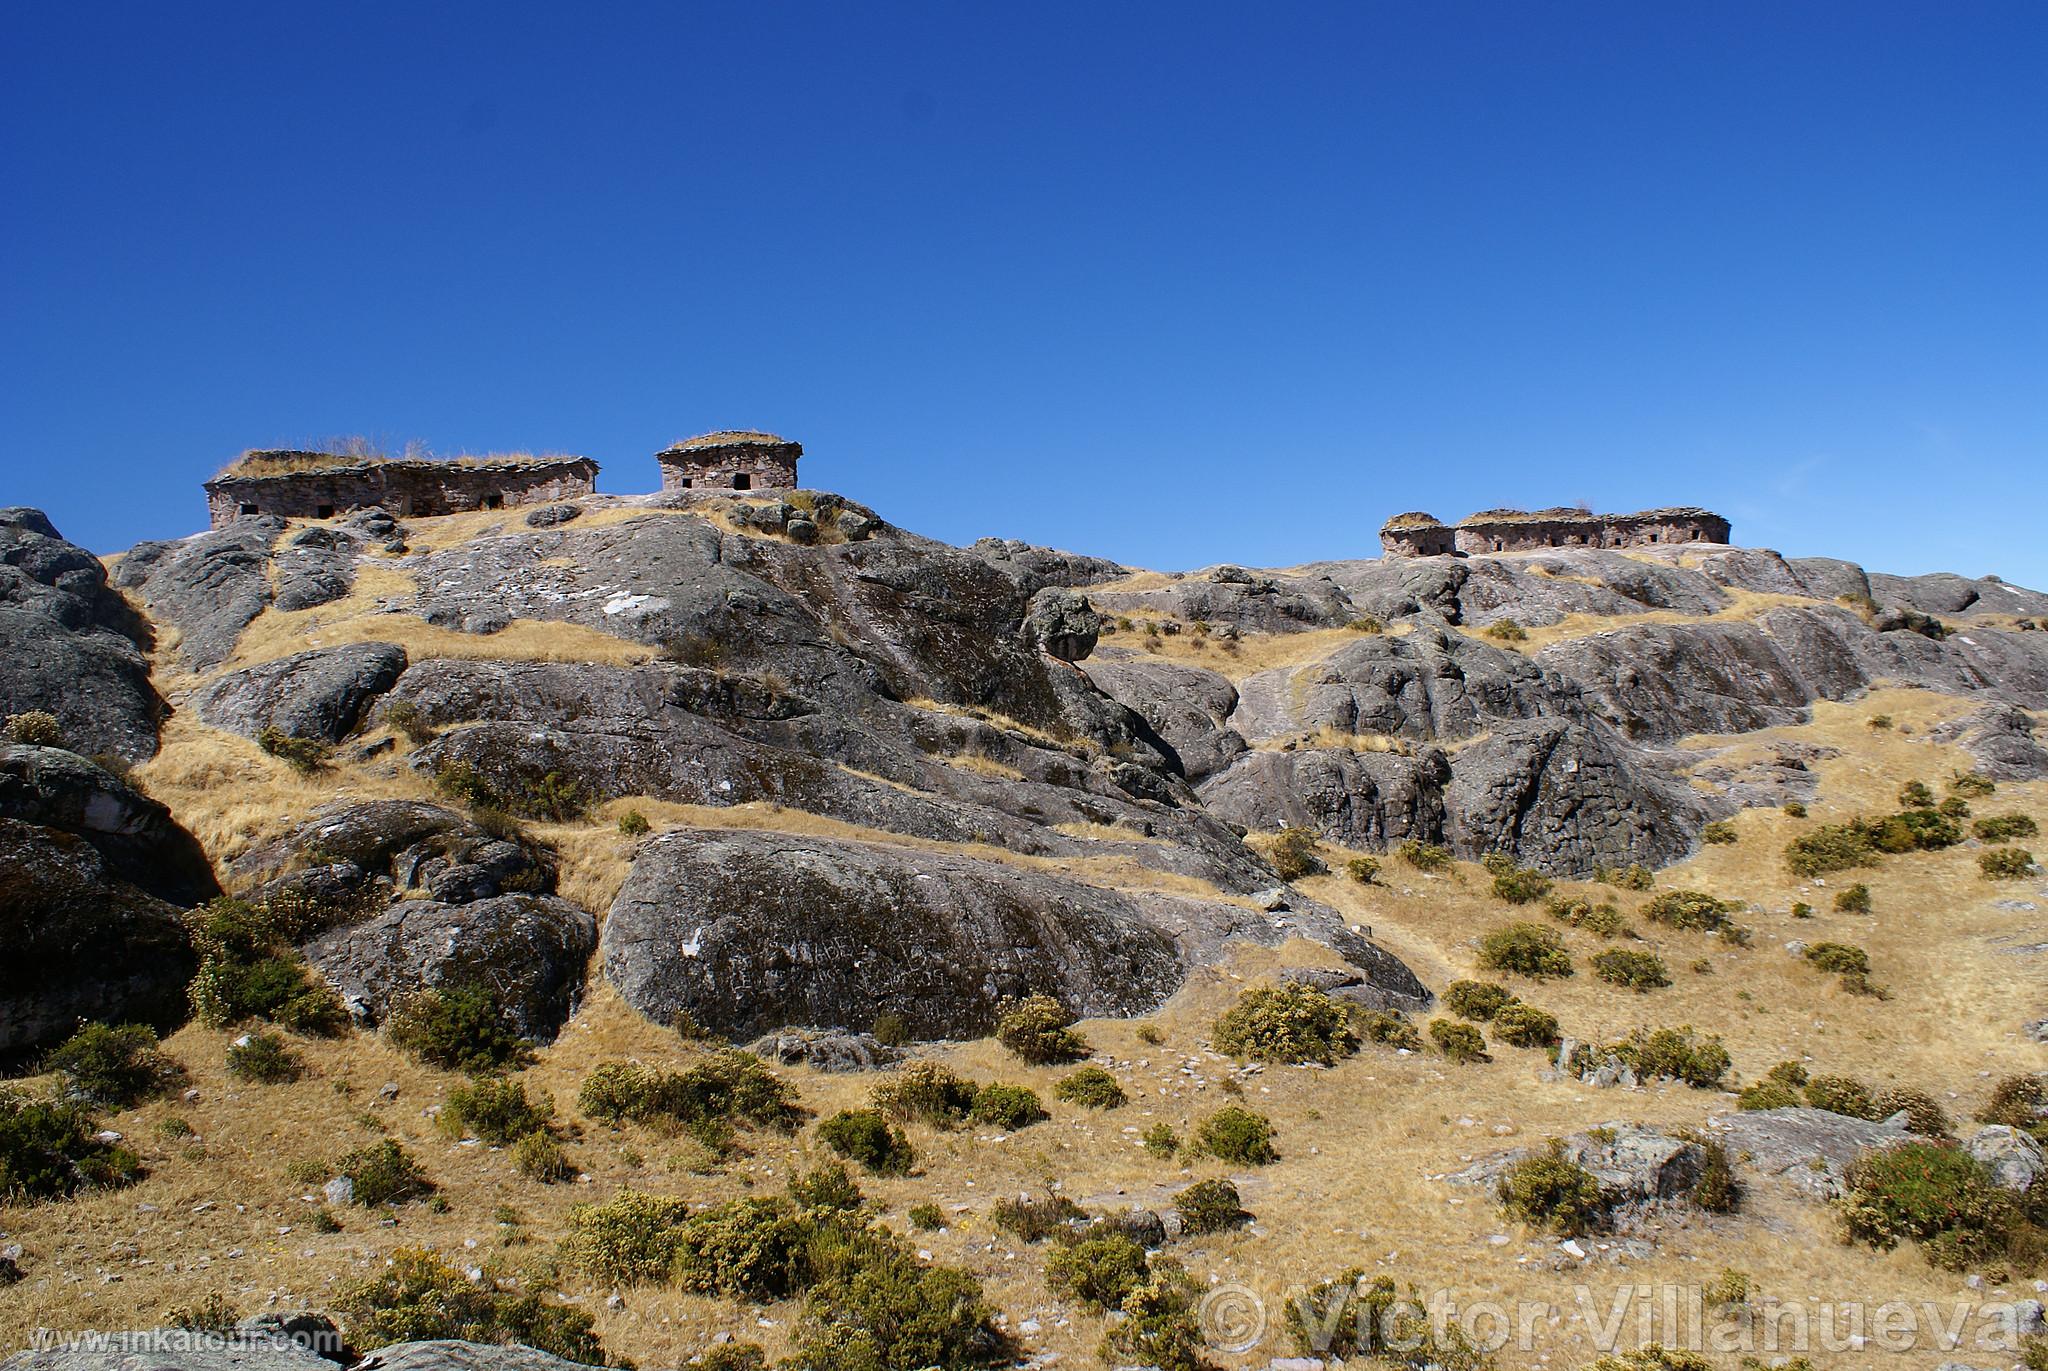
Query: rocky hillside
[[741, 765]]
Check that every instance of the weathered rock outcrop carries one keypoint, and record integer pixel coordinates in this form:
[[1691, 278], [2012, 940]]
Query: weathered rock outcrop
[[1250, 602], [1811, 1148], [316, 566], [70, 645], [319, 694], [1361, 799], [356, 856], [2000, 741], [1634, 1165], [1186, 706], [255, 1346], [207, 587], [527, 950], [134, 835], [1062, 622], [78, 942], [752, 931]]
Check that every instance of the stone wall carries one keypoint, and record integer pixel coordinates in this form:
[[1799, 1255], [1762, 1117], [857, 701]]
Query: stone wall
[[408, 488], [1514, 530], [730, 461]]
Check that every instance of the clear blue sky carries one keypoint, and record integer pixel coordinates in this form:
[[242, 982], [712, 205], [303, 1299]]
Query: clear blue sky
[[1174, 283]]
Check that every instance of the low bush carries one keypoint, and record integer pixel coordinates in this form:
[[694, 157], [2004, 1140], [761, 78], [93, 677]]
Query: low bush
[[1387, 1028], [927, 1091], [1477, 1000], [1424, 856], [33, 728], [1717, 1191], [1552, 1193], [1098, 1273], [866, 1138], [1519, 885], [1210, 1206], [408, 718], [1236, 1134], [1161, 1327], [1525, 949], [827, 1189], [629, 1239], [1603, 919], [1854, 900], [2003, 828], [419, 1296], [732, 1356], [1842, 1095], [1793, 809], [1461, 1042], [2019, 1102], [1288, 1022], [303, 755], [1718, 833], [1091, 1087], [1160, 1141], [1524, 1025], [746, 1249], [1296, 854], [1337, 1321], [1912, 830], [1364, 870], [1935, 1194], [1954, 807], [495, 1111], [1916, 795], [384, 1173], [113, 1067], [538, 1157], [265, 1058], [1655, 1357], [1971, 785], [1676, 1053], [457, 1028], [1829, 848], [926, 1218], [891, 1029], [873, 1304], [1007, 1106], [48, 1151], [2005, 863], [1641, 972], [729, 1087], [1841, 957], [1506, 631], [1767, 1094], [1692, 911], [1031, 1220], [250, 968], [633, 824], [1924, 1114], [1039, 1030], [214, 1313]]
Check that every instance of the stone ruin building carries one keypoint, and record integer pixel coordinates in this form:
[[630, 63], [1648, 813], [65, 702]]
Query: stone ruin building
[[319, 485], [1516, 530], [735, 459]]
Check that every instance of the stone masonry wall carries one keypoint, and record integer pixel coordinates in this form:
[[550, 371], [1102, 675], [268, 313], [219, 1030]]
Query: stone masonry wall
[[418, 489], [736, 466]]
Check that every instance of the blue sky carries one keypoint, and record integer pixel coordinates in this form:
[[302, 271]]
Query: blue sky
[[1172, 283]]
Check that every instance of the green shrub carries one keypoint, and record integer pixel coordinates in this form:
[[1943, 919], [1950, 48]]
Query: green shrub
[[1842, 1095], [494, 1110], [48, 1151], [1842, 957], [1007, 1106], [1507, 631], [1794, 809], [926, 1218], [1160, 1327], [33, 728], [1954, 807], [1160, 1140], [538, 1157], [1387, 1028], [384, 1173], [2019, 1102], [630, 1239], [827, 1190], [1652, 1356], [1689, 910], [1928, 1192], [1880, 721], [1913, 830], [1831, 847], [1296, 854], [303, 755], [1236, 1134], [1916, 795], [1767, 1094], [1285, 1023], [419, 1296], [1424, 856], [1717, 1191], [1718, 833], [1524, 1025], [2003, 828], [1477, 1000], [1364, 870], [1038, 1029], [1971, 785], [265, 1058], [1461, 1042], [730, 1086], [891, 1029], [1210, 1206], [863, 1136], [212, 1314], [1036, 1220], [1601, 919], [113, 1067], [633, 824], [749, 1249], [1924, 1114], [732, 1356], [1091, 1087], [1854, 900], [408, 718], [1519, 885], [249, 968], [1552, 1193], [875, 1306], [1641, 972], [1525, 949], [1675, 1053], [2005, 863], [457, 1028], [927, 1091], [1097, 1272]]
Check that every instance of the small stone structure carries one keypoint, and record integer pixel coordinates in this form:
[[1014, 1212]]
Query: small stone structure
[[1516, 530], [320, 485], [736, 459]]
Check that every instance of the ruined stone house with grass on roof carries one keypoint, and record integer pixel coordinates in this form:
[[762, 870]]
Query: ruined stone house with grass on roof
[[732, 459], [1515, 530], [295, 484]]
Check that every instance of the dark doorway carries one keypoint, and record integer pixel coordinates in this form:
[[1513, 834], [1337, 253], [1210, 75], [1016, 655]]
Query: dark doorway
[[248, 509], [742, 481], [323, 511]]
